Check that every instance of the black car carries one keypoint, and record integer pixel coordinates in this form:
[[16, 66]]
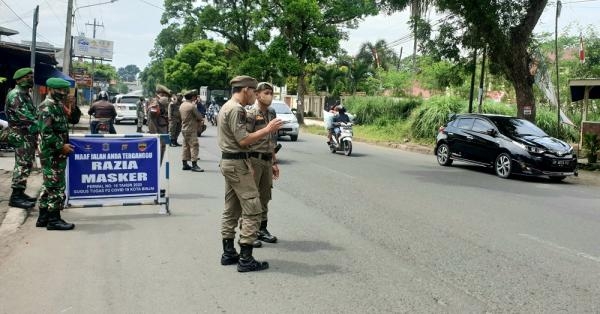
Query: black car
[[508, 144]]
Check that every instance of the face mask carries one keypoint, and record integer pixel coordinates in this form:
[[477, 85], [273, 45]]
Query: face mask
[[163, 101], [26, 84], [58, 96]]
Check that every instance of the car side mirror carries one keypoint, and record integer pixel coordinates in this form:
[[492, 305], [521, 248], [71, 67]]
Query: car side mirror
[[491, 132]]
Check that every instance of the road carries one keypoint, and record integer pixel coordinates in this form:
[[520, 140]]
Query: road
[[383, 231]]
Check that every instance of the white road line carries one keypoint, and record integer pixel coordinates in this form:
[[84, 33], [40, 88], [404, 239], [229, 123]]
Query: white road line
[[560, 247], [335, 171]]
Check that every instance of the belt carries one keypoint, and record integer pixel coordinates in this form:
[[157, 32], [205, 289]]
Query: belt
[[225, 155], [263, 156]]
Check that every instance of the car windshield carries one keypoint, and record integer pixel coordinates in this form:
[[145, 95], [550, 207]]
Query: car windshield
[[518, 127], [129, 100], [281, 108]]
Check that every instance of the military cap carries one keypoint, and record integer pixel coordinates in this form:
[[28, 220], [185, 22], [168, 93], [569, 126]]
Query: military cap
[[263, 86], [243, 81], [22, 72], [55, 82], [162, 89], [190, 93]]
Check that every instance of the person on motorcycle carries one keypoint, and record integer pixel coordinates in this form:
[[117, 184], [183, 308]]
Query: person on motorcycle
[[102, 111], [213, 111]]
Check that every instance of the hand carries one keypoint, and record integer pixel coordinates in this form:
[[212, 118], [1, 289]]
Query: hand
[[275, 172], [66, 149], [274, 125]]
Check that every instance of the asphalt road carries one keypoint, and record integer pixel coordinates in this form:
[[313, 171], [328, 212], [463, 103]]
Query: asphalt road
[[383, 231]]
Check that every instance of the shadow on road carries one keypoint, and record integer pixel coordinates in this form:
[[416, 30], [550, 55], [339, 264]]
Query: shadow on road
[[306, 246], [102, 228], [301, 269]]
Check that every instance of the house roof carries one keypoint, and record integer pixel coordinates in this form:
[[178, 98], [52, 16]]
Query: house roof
[[579, 86]]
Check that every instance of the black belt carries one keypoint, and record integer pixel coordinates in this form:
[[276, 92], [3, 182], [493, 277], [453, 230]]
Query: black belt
[[234, 155], [263, 156]]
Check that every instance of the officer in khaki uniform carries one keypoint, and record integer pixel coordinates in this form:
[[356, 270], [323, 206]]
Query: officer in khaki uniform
[[241, 195], [175, 119], [190, 118], [158, 121], [262, 153]]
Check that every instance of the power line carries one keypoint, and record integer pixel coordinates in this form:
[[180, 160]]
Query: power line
[[152, 5]]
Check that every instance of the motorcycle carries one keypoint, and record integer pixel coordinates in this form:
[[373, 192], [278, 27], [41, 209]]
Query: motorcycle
[[342, 138], [102, 126], [212, 113]]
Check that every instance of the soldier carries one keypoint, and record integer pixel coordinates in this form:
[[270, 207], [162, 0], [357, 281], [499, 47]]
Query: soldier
[[190, 118], [22, 115], [262, 154], [158, 120], [175, 120], [54, 149], [241, 195], [141, 114]]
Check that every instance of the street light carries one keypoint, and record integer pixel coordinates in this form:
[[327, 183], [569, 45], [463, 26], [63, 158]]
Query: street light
[[70, 17]]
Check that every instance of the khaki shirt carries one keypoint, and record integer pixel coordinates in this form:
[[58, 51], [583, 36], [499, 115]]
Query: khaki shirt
[[257, 120], [174, 113], [190, 117], [231, 127]]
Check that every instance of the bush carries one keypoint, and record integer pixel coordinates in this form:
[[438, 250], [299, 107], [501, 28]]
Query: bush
[[426, 120], [380, 110]]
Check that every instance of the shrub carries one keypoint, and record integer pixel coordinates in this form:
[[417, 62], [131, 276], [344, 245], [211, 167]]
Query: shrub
[[380, 110], [426, 120]]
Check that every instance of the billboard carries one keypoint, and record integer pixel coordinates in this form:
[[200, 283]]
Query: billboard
[[92, 47]]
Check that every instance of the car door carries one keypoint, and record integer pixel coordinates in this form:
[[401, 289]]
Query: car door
[[483, 145], [460, 146]]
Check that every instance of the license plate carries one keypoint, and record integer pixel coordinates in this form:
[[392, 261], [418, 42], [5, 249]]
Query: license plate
[[561, 162]]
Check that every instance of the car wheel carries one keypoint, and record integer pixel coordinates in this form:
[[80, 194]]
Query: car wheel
[[557, 178], [117, 122], [294, 138], [443, 155], [503, 165]]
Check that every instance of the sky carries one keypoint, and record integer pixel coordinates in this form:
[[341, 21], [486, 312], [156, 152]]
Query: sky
[[134, 24]]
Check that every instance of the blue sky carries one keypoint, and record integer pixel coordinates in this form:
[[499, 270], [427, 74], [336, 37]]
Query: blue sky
[[133, 24]]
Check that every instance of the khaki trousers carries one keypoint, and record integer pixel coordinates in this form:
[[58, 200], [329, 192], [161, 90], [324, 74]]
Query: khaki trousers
[[263, 177], [241, 200], [190, 148]]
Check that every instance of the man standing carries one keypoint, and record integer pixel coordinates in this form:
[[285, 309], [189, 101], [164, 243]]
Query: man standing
[[21, 114], [54, 149], [140, 110], [190, 118], [102, 112], [262, 153], [158, 120], [241, 195], [175, 120]]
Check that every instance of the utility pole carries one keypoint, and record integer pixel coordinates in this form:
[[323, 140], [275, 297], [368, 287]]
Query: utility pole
[[67, 49], [33, 46], [558, 7], [472, 80], [93, 59], [481, 79]]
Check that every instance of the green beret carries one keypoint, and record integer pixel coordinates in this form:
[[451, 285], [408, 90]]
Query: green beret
[[190, 93], [162, 89], [55, 82], [263, 86], [243, 81], [22, 72]]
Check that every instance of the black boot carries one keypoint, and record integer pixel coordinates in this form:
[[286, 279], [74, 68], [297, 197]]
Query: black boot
[[55, 222], [264, 234], [42, 220], [247, 262], [195, 167], [17, 199], [139, 130], [256, 244], [230, 255], [186, 166], [25, 196]]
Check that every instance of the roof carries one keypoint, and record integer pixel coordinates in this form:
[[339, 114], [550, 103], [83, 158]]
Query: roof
[[7, 31], [578, 88], [19, 53]]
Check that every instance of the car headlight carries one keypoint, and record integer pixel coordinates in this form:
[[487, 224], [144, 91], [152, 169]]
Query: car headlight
[[530, 149]]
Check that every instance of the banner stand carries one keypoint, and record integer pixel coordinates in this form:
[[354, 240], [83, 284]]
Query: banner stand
[[117, 170]]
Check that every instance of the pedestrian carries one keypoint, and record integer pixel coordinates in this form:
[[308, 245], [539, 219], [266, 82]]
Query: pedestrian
[[141, 114], [241, 195], [262, 154], [158, 120], [175, 120], [102, 111], [21, 114], [54, 149], [190, 118]]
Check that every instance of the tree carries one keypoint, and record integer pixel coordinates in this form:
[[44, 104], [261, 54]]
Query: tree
[[506, 28], [128, 73], [153, 74], [377, 54], [309, 30]]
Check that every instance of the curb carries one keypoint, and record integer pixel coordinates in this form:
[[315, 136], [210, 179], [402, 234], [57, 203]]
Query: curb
[[16, 217]]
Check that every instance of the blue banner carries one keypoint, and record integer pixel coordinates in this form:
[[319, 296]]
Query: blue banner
[[108, 167]]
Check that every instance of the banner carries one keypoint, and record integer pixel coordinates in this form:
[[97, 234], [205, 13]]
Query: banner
[[92, 47], [110, 167]]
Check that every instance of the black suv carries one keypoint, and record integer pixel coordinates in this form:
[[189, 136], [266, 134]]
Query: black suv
[[508, 144]]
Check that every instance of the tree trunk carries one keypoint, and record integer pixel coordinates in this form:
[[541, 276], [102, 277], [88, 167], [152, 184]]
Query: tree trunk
[[523, 81], [300, 101]]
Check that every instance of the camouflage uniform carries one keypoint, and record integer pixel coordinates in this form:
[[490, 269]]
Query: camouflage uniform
[[175, 123], [54, 133], [140, 110], [21, 114]]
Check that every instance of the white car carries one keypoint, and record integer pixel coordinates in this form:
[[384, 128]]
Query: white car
[[126, 106], [290, 126]]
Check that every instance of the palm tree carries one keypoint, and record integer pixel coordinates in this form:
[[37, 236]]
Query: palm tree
[[418, 8], [378, 55]]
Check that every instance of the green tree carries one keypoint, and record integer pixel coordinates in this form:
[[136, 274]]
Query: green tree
[[377, 54], [128, 73], [153, 74]]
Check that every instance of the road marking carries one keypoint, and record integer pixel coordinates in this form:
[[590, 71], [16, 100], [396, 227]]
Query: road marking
[[560, 247], [335, 171]]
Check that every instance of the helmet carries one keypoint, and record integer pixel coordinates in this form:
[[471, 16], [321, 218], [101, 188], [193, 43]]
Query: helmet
[[103, 95]]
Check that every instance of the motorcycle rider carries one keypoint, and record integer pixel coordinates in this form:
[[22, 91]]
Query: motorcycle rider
[[341, 116], [102, 111]]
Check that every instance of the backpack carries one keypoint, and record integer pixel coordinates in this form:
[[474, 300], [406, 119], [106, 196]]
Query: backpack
[[75, 115]]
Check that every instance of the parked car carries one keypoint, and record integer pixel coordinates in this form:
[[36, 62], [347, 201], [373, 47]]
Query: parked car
[[126, 106], [290, 126], [510, 145]]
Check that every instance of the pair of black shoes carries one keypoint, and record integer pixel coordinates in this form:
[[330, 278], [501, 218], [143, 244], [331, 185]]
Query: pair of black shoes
[[245, 261], [194, 167], [174, 144], [52, 221]]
